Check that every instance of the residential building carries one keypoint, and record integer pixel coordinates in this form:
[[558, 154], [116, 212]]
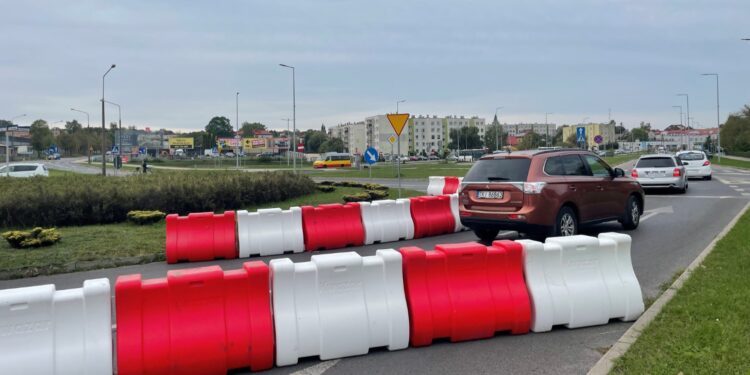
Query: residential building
[[353, 134], [519, 130], [431, 134], [606, 131], [685, 139]]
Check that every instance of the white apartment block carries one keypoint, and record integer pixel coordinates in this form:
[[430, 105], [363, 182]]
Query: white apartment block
[[431, 134], [353, 134], [517, 130]]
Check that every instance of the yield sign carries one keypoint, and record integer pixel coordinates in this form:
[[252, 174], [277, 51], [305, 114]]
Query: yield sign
[[398, 121]]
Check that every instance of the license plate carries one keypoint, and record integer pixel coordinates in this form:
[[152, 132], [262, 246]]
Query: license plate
[[492, 194]]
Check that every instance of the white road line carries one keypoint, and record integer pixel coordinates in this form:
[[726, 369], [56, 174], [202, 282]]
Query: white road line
[[700, 196], [739, 189], [656, 211], [317, 369], [746, 194], [733, 186]]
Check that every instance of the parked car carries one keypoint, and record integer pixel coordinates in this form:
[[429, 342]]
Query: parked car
[[660, 171], [24, 170], [413, 158], [421, 157], [433, 157], [54, 156], [452, 158], [546, 192], [696, 163]]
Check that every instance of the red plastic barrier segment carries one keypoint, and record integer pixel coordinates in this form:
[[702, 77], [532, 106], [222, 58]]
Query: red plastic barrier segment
[[432, 215], [465, 291], [451, 185], [195, 321], [201, 236], [332, 226]]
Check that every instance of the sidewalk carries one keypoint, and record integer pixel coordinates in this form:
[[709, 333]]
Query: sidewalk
[[735, 157]]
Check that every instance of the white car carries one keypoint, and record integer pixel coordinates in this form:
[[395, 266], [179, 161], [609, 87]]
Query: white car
[[24, 170], [697, 164], [660, 171]]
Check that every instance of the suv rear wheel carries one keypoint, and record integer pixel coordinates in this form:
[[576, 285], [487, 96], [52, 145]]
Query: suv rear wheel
[[632, 216], [566, 223], [486, 235]]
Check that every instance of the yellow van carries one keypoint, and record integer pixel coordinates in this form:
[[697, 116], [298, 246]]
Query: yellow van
[[333, 160]]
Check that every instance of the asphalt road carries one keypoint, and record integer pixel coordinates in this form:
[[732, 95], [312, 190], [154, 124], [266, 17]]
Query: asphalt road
[[674, 230]]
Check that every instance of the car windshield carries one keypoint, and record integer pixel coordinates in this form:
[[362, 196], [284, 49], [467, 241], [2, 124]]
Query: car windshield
[[511, 169], [664, 162], [691, 156]]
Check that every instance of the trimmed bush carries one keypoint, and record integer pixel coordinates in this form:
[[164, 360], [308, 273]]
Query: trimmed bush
[[326, 188], [349, 184], [36, 237], [88, 199], [145, 217], [326, 183], [376, 187], [358, 197], [376, 194]]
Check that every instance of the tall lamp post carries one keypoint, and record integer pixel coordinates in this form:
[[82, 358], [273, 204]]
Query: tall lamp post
[[687, 116], [546, 126], [287, 140], [104, 129], [7, 145], [718, 124], [88, 126], [680, 107], [237, 119], [119, 126], [294, 117], [498, 131]]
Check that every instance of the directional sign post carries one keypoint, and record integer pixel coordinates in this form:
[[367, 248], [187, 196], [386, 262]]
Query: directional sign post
[[371, 157], [398, 121], [580, 136]]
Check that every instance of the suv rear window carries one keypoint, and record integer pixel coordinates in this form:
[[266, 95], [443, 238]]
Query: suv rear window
[[691, 156], [664, 162], [494, 170], [24, 168]]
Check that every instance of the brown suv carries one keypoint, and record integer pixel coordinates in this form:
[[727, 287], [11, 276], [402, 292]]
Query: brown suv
[[550, 192]]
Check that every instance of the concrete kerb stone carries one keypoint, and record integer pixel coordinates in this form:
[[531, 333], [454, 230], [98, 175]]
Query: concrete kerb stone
[[607, 362]]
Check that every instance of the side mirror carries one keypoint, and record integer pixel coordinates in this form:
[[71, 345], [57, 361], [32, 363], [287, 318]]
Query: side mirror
[[619, 172]]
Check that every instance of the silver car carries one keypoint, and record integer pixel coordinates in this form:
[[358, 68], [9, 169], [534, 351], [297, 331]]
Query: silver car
[[661, 171]]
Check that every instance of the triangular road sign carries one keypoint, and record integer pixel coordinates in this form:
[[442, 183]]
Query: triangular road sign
[[398, 121]]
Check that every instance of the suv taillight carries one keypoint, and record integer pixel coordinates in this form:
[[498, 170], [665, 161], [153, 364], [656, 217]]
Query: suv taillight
[[533, 187], [676, 172], [634, 173], [706, 163]]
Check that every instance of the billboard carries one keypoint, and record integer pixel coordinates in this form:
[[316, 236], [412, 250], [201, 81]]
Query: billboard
[[181, 142], [248, 143]]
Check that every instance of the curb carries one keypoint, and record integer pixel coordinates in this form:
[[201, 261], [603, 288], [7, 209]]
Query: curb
[[607, 362]]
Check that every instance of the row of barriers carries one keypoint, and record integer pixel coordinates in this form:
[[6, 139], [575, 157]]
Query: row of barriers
[[208, 321], [207, 236], [440, 185]]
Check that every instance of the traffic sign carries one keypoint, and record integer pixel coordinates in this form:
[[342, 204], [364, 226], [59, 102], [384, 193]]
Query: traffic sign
[[598, 139], [371, 156], [141, 150], [392, 139], [300, 147], [398, 121], [115, 150], [580, 135]]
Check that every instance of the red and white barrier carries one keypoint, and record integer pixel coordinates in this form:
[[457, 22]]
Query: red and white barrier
[[332, 226], [454, 210], [439, 185], [432, 216], [48, 331], [338, 305], [201, 236], [581, 281], [270, 231], [387, 221]]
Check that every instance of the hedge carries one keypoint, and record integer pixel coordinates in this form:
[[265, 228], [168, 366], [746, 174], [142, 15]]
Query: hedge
[[36, 237], [86, 199]]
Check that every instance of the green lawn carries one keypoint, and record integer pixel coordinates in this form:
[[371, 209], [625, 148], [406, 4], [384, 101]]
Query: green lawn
[[223, 163], [388, 170], [104, 246], [619, 159], [705, 328], [726, 162]]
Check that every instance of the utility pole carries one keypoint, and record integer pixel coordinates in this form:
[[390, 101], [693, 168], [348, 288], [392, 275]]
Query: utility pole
[[287, 140], [498, 131], [104, 128], [546, 126], [294, 118], [398, 153], [237, 119], [718, 121]]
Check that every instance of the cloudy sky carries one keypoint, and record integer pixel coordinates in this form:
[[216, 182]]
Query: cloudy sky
[[179, 63]]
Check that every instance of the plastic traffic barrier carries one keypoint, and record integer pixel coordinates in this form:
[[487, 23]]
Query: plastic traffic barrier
[[332, 226], [454, 210], [386, 221], [44, 331], [432, 216], [581, 281], [195, 321], [439, 185], [338, 305], [201, 236], [465, 291], [270, 231]]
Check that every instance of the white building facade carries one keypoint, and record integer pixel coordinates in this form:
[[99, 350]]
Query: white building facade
[[353, 134]]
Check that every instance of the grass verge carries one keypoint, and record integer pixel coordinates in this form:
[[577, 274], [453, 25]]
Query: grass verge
[[726, 162], [112, 245], [388, 170], [705, 328]]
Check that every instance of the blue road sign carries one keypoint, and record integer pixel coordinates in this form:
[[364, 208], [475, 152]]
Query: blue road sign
[[115, 150], [371, 156], [141, 150], [581, 135], [52, 150]]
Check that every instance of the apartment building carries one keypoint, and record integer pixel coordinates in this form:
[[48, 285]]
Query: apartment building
[[353, 134], [519, 130]]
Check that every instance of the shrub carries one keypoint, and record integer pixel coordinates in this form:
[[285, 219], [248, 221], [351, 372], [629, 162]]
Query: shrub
[[326, 183], [377, 194], [79, 199], [145, 217], [376, 187], [358, 197], [326, 188], [37, 237], [265, 159], [349, 184]]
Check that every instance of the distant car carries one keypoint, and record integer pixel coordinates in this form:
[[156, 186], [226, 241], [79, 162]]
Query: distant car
[[433, 157], [660, 171], [697, 164], [413, 158], [54, 156], [421, 157], [229, 154], [452, 158], [404, 159], [24, 170]]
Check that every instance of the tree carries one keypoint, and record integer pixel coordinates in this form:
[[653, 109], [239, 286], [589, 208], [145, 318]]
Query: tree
[[735, 134], [323, 128], [491, 137], [219, 126], [313, 140], [639, 134], [72, 126], [571, 141], [332, 145], [464, 138], [41, 136], [248, 128], [530, 141]]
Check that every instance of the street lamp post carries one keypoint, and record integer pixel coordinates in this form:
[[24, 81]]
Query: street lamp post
[[294, 117], [687, 116], [104, 129], [287, 140], [680, 107], [88, 126], [546, 126], [7, 145], [237, 119], [718, 124], [498, 131], [119, 127], [398, 153]]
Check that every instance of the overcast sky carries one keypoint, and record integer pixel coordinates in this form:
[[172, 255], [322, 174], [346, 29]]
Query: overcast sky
[[179, 63]]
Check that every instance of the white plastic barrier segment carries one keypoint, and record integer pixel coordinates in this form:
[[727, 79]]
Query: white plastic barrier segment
[[436, 185], [387, 221], [270, 231], [581, 281], [338, 305], [43, 331], [454, 210]]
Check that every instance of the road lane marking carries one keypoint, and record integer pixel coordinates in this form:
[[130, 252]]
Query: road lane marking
[[317, 369], [656, 211]]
